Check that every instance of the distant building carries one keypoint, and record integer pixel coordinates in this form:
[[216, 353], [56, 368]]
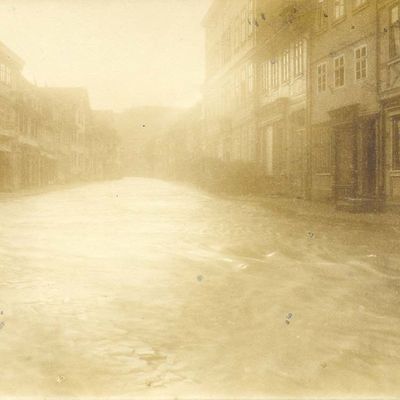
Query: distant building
[[10, 81], [48, 135], [76, 116], [105, 146]]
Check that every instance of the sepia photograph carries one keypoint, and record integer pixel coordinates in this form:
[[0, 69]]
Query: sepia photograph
[[199, 199]]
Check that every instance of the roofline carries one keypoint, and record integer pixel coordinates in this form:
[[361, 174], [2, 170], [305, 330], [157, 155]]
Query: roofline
[[14, 57], [211, 11]]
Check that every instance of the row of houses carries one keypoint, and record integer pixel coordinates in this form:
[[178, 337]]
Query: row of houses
[[309, 91], [50, 135]]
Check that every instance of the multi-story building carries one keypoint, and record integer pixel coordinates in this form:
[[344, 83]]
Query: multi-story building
[[10, 80], [105, 158], [344, 103], [283, 37], [76, 130], [229, 93], [388, 33], [255, 97]]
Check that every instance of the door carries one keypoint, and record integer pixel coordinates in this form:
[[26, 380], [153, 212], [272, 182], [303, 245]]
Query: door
[[345, 157], [369, 160]]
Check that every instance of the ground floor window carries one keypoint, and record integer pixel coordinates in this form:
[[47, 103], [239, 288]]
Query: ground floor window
[[396, 142], [266, 149]]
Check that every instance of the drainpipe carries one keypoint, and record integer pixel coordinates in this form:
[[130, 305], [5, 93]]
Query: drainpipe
[[380, 137]]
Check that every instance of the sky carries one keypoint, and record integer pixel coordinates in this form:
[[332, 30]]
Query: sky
[[127, 53]]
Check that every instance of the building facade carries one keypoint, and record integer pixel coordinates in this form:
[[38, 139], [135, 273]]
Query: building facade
[[10, 81], [344, 103], [229, 93], [389, 97], [283, 37], [47, 135]]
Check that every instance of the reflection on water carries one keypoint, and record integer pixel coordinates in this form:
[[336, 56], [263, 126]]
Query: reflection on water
[[140, 287]]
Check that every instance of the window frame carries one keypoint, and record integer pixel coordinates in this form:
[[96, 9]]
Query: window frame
[[322, 20], [341, 56], [337, 5], [393, 53], [298, 67], [274, 69], [322, 77], [358, 62], [285, 66]]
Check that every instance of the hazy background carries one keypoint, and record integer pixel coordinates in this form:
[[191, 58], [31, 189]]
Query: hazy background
[[126, 52]]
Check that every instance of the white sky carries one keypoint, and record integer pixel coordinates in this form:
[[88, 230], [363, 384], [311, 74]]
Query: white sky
[[126, 52]]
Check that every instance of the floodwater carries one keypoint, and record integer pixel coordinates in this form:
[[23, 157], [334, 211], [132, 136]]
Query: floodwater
[[142, 288]]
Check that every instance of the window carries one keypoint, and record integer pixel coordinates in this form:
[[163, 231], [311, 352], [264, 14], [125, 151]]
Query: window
[[8, 76], [251, 16], [298, 58], [396, 142], [244, 25], [285, 66], [359, 3], [274, 73], [394, 32], [322, 77], [339, 71], [237, 33], [2, 73], [265, 77], [250, 77], [339, 9], [243, 85], [237, 88], [361, 62], [322, 15]]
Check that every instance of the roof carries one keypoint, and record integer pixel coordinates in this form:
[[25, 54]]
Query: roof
[[13, 57], [67, 94], [213, 10]]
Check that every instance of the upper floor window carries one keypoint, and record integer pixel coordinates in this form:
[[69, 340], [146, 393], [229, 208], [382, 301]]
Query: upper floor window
[[250, 77], [298, 57], [322, 15], [359, 3], [322, 77], [285, 66], [394, 32], [237, 33], [339, 71], [2, 73], [265, 77], [251, 16], [237, 88], [339, 9], [244, 25], [360, 62], [274, 73], [243, 86]]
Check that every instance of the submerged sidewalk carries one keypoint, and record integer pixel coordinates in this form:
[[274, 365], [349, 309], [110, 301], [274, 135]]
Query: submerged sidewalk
[[320, 210]]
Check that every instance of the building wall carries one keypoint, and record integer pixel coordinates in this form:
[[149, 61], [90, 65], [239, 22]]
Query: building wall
[[230, 93], [334, 38], [389, 91]]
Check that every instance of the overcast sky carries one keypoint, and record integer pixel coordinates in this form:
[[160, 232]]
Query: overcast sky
[[126, 52]]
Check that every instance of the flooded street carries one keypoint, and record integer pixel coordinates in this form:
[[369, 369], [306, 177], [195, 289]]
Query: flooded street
[[140, 288]]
